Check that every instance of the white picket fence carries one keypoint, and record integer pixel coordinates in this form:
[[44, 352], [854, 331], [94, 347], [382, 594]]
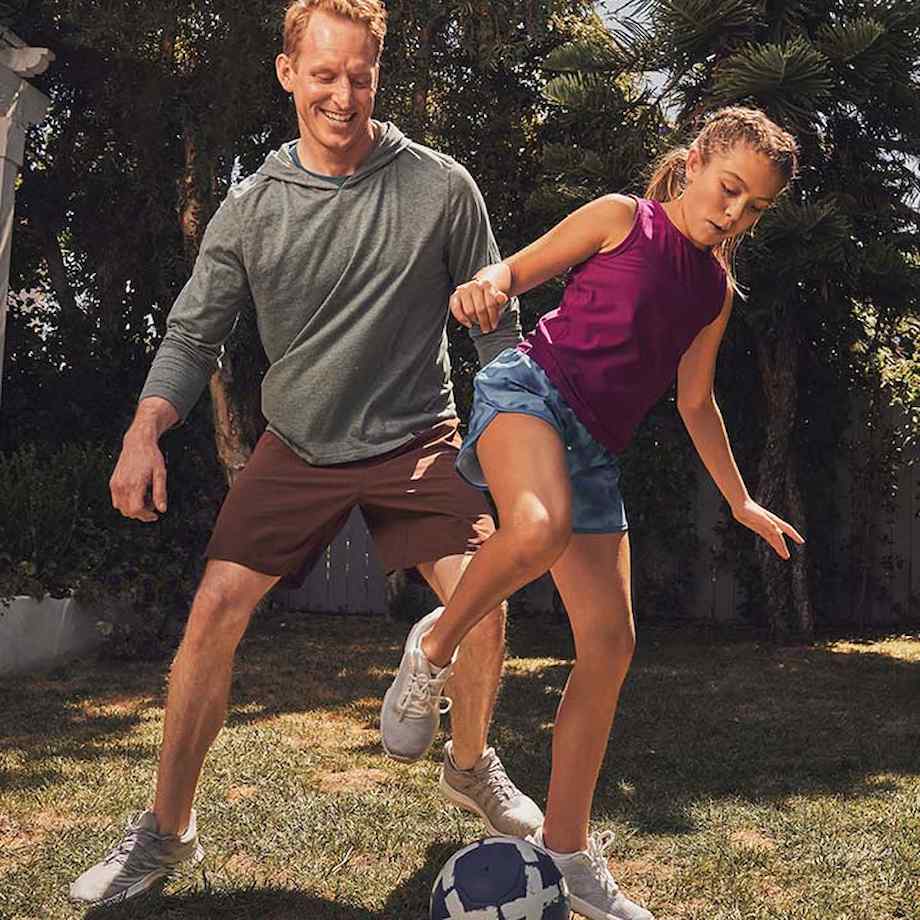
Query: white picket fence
[[349, 578]]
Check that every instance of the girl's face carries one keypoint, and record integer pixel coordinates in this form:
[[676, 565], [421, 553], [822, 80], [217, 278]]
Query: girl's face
[[726, 195]]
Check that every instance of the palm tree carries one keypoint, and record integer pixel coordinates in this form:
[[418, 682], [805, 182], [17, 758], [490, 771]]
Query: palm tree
[[832, 274]]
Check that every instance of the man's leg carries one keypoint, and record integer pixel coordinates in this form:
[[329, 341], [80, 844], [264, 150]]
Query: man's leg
[[473, 685], [472, 775], [199, 683], [158, 840]]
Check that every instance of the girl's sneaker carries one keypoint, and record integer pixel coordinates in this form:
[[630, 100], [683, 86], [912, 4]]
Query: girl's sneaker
[[413, 706], [593, 890]]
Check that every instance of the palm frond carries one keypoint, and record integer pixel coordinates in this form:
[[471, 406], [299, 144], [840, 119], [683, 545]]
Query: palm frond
[[690, 30], [788, 80], [584, 92]]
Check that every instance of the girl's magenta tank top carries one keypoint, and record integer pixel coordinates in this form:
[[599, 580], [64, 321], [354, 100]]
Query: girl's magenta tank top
[[612, 346]]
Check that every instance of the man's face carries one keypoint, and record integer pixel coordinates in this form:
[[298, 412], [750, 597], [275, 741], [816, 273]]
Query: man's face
[[334, 81]]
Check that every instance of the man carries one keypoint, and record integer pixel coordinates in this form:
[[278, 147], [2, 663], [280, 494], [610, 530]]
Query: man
[[349, 242]]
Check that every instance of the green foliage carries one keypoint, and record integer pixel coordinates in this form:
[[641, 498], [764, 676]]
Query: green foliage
[[793, 76], [850, 43], [588, 91], [154, 107], [696, 29], [48, 510], [60, 535]]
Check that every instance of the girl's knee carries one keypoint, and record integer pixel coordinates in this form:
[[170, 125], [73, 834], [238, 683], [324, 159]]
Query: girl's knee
[[539, 538], [610, 649]]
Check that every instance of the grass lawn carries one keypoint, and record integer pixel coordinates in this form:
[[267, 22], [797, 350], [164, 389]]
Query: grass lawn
[[744, 782]]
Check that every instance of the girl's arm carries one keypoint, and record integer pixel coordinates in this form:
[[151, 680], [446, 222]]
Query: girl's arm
[[697, 406], [598, 226]]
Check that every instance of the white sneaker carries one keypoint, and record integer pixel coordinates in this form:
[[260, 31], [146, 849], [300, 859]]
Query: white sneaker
[[137, 862], [487, 790], [413, 706], [593, 890]]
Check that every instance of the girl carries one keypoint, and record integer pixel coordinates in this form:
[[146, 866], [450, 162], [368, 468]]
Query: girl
[[648, 300]]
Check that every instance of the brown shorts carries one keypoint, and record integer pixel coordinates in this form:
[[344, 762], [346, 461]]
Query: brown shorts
[[282, 512]]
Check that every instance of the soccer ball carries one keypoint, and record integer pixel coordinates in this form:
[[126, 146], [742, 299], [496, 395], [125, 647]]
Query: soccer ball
[[500, 878]]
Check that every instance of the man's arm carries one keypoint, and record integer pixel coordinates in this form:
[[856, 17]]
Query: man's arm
[[202, 317], [198, 324], [470, 247]]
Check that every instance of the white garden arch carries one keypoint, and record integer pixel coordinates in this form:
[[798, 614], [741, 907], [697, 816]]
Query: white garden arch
[[21, 105]]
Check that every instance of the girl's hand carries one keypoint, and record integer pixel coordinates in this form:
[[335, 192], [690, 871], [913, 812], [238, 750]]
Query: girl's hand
[[765, 523], [478, 302]]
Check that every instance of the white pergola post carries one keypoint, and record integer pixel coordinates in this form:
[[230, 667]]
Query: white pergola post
[[21, 105]]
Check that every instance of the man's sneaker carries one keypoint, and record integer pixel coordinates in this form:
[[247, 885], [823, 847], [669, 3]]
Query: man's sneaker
[[413, 705], [486, 790], [592, 888], [142, 858]]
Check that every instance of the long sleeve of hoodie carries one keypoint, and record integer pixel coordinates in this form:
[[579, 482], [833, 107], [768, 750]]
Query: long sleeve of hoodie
[[471, 246], [202, 317]]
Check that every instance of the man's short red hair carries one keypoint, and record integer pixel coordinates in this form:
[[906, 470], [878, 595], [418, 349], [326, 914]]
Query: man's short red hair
[[371, 12]]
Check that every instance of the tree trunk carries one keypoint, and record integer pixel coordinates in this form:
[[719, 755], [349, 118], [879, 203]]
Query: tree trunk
[[785, 583], [196, 206], [422, 60], [801, 595], [232, 450]]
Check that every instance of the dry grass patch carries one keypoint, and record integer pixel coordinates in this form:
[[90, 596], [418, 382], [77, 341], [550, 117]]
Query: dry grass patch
[[750, 839], [328, 733], [351, 780], [21, 836], [117, 706], [904, 648]]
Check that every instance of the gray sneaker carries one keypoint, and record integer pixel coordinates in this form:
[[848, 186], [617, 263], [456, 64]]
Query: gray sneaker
[[592, 888], [142, 858], [486, 790], [413, 705]]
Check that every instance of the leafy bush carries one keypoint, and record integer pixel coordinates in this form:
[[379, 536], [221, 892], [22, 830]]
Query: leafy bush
[[59, 535]]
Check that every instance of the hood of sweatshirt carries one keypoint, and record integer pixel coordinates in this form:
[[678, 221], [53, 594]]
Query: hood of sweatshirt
[[280, 165]]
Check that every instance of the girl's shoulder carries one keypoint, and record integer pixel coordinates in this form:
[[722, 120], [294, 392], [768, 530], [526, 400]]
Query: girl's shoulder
[[619, 214]]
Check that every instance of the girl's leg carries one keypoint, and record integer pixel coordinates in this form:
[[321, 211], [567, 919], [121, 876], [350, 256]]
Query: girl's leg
[[523, 459], [592, 576]]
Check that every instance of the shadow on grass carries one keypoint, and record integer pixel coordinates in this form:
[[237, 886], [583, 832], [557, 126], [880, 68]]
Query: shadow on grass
[[700, 718], [703, 719], [408, 901]]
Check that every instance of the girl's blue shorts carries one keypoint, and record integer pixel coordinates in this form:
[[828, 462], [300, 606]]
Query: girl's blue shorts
[[514, 382]]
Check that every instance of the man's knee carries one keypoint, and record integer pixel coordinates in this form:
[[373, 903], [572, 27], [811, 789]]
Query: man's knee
[[220, 614]]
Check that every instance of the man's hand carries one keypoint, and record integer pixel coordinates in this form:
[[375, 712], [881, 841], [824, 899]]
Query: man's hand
[[767, 525], [478, 302], [140, 467]]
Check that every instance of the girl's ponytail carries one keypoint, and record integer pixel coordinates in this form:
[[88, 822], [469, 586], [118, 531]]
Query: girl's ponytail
[[669, 177]]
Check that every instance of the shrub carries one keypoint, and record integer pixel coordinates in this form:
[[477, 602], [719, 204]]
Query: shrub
[[60, 535]]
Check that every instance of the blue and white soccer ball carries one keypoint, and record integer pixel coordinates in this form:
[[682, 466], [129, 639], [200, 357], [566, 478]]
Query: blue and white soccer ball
[[500, 878]]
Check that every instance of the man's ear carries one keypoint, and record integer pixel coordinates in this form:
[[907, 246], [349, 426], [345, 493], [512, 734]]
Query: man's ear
[[284, 68]]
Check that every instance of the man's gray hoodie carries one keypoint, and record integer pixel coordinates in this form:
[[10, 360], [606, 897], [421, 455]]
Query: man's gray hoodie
[[350, 285]]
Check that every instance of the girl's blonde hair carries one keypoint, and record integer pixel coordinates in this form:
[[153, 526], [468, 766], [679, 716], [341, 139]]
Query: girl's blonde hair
[[724, 129], [370, 12]]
